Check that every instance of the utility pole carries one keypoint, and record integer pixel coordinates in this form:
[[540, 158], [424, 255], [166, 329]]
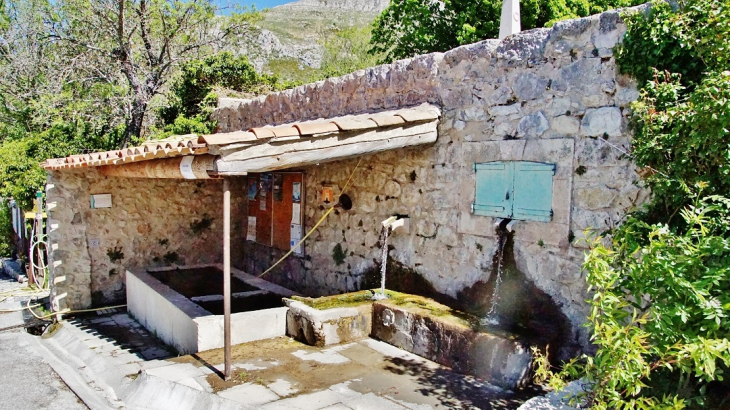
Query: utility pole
[[227, 278]]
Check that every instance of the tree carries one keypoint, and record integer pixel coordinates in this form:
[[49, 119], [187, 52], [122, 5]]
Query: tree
[[410, 27], [194, 91], [49, 106], [144, 41]]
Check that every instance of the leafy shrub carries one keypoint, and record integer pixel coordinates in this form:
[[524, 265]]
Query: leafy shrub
[[661, 294], [659, 313], [191, 101], [6, 231]]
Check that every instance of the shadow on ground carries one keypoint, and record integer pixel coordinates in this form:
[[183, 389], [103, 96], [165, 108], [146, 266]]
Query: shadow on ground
[[122, 331], [454, 390]]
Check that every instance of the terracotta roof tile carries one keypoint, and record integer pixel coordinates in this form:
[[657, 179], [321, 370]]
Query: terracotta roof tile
[[192, 144], [228, 138], [263, 132], [285, 131], [418, 114], [354, 123], [313, 128], [387, 120]]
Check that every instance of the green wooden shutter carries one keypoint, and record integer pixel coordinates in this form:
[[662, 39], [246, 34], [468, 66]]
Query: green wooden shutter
[[494, 194], [533, 188]]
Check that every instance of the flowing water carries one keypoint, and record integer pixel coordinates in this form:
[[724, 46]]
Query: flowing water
[[491, 318], [383, 265]]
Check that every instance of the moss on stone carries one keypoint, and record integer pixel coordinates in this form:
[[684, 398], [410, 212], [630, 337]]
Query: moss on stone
[[405, 300]]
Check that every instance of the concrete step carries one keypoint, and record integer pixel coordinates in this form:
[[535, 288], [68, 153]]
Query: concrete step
[[107, 376], [155, 393], [81, 378], [14, 270]]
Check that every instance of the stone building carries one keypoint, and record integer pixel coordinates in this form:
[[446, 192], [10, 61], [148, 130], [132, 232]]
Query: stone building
[[412, 138]]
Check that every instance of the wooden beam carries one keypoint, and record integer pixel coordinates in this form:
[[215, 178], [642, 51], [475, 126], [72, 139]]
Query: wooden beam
[[315, 156], [178, 167], [334, 140]]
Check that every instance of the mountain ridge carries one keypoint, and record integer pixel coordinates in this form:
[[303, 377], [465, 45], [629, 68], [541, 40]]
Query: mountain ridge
[[289, 42]]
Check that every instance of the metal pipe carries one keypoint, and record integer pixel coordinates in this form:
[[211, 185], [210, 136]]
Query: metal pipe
[[227, 278]]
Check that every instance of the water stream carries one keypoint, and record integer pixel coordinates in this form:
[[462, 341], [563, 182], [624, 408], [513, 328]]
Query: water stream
[[384, 263], [491, 318]]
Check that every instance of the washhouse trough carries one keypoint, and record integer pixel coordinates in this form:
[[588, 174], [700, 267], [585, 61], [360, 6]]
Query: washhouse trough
[[464, 181]]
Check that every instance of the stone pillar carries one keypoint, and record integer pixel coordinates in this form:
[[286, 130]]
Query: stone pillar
[[510, 22], [67, 199]]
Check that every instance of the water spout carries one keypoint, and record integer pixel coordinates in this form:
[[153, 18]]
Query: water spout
[[390, 224]]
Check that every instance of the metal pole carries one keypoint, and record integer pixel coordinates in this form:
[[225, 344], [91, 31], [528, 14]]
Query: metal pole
[[227, 278]]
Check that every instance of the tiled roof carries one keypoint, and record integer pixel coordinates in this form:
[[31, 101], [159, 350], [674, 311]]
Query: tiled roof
[[194, 145], [165, 148]]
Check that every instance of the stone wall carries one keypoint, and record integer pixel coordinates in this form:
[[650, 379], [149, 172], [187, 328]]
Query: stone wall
[[152, 222], [550, 95]]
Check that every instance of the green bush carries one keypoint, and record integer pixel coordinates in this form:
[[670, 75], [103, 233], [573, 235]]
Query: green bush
[[6, 231], [659, 313], [190, 91], [661, 287]]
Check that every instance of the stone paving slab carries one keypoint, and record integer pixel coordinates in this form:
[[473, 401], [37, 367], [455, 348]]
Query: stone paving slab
[[282, 373]]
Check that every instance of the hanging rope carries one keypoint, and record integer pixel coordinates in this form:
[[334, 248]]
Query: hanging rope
[[314, 228]]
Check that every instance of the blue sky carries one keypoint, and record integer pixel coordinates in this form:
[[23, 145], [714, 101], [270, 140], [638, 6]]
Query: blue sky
[[260, 4]]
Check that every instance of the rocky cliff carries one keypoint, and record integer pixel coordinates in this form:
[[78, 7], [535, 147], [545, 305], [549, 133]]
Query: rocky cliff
[[291, 34]]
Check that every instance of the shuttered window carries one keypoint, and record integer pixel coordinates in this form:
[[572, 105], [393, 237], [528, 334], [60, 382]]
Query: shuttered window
[[514, 189]]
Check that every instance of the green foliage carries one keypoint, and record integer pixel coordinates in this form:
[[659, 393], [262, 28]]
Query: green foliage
[[346, 51], [201, 225], [660, 304], [189, 93], [115, 254], [411, 27], [658, 313], [339, 254], [194, 91], [20, 173], [682, 119], [6, 231]]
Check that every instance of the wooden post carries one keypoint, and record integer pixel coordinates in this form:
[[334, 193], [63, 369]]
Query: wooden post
[[227, 277]]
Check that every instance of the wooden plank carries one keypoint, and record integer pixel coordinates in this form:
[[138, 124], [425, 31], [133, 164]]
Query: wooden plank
[[312, 157], [282, 207], [326, 141]]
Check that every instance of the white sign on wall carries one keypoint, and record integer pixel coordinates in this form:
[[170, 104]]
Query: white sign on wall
[[101, 201]]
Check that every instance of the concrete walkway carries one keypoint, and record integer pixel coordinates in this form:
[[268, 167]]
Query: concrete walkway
[[117, 360], [27, 381]]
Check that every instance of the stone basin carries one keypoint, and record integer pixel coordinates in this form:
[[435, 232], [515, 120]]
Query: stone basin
[[447, 339], [189, 318], [416, 324]]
